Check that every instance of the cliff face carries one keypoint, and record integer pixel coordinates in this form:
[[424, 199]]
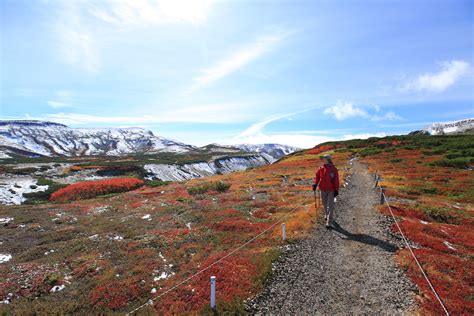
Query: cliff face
[[204, 169]]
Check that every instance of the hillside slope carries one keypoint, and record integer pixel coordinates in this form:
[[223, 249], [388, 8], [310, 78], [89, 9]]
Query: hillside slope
[[115, 252]]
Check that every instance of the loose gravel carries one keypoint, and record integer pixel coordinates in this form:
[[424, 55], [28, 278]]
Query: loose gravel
[[348, 270]]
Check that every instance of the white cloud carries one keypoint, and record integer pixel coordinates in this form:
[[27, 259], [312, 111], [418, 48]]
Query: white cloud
[[363, 136], [237, 60], [450, 73], [345, 110], [389, 116]]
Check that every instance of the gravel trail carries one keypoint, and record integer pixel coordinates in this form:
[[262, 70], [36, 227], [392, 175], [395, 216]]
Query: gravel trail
[[346, 270]]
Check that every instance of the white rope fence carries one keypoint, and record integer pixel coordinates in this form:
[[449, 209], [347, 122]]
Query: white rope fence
[[384, 199], [151, 300]]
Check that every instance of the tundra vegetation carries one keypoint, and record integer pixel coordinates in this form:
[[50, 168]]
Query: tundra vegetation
[[114, 251]]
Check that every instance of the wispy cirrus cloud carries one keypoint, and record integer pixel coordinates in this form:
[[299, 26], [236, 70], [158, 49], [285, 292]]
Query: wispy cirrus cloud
[[79, 25], [450, 73], [127, 13], [255, 134], [62, 99], [243, 56]]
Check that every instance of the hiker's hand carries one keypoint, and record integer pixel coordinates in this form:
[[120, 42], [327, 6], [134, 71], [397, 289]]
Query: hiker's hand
[[315, 186]]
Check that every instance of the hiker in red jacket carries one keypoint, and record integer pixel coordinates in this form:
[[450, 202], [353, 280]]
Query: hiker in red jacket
[[327, 177]]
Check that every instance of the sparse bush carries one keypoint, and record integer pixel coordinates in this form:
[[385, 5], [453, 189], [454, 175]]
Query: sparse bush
[[438, 214], [395, 160], [219, 186]]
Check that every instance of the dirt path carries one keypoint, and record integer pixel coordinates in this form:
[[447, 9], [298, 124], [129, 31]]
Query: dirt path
[[346, 270]]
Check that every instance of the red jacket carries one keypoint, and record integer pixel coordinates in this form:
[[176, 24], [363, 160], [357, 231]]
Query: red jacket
[[327, 177]]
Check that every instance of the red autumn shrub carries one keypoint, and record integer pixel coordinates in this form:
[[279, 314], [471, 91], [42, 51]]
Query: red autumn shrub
[[450, 275], [90, 189], [234, 277], [319, 150], [239, 225], [114, 295]]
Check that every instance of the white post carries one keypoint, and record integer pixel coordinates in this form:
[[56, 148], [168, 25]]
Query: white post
[[213, 292], [283, 231]]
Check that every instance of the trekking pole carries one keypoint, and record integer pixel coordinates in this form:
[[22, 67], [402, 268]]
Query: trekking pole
[[315, 201]]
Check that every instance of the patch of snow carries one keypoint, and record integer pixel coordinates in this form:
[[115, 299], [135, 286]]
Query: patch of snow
[[147, 217], [13, 188], [162, 276], [424, 222], [449, 245], [57, 288], [188, 225], [161, 256], [5, 257], [6, 220], [101, 209], [153, 291], [8, 299]]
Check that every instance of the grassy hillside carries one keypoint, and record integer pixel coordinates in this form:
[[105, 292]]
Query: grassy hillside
[[113, 253]]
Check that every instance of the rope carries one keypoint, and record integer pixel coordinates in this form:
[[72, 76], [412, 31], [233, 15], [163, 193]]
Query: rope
[[150, 301], [414, 257]]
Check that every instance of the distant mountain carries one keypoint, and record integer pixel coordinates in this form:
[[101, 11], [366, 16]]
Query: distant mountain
[[457, 127], [39, 138], [33, 138]]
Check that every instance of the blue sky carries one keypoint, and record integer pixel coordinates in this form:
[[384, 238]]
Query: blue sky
[[294, 72]]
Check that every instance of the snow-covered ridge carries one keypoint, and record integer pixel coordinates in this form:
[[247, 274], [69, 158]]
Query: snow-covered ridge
[[204, 169], [53, 139], [456, 127], [277, 151]]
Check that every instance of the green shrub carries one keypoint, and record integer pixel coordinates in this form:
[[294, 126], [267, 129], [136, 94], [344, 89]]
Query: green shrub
[[156, 183], [369, 151], [219, 186], [454, 163], [395, 160], [438, 214]]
